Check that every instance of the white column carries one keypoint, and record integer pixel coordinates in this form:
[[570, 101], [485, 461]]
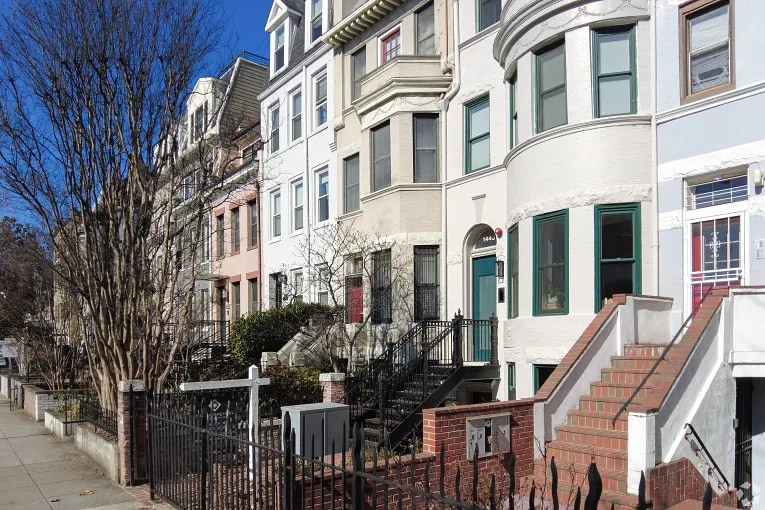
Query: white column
[[641, 447]]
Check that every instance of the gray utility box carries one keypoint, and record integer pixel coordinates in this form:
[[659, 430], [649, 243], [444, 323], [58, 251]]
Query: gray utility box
[[307, 420]]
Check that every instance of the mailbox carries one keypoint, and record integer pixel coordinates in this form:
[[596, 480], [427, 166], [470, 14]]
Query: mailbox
[[491, 434]]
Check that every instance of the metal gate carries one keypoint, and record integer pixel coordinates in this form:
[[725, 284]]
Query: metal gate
[[744, 440], [16, 397]]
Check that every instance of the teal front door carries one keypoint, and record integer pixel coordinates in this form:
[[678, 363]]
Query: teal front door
[[484, 305]]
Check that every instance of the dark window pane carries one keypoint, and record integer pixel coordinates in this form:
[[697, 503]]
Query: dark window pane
[[617, 236], [616, 278]]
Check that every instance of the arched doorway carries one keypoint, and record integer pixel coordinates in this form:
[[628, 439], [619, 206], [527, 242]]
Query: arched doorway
[[482, 285]]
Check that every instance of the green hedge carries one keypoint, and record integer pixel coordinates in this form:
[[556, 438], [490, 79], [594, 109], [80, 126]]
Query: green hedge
[[289, 386], [268, 331]]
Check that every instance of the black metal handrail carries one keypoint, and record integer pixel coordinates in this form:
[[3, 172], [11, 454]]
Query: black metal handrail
[[706, 452], [93, 412], [661, 357]]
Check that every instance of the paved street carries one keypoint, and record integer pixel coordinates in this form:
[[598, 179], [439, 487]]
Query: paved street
[[38, 471]]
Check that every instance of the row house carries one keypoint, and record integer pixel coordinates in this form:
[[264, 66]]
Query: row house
[[298, 176], [218, 148]]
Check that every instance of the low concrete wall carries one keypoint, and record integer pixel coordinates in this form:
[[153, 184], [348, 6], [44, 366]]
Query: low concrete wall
[[56, 425], [37, 400], [5, 385], [30, 400], [105, 453]]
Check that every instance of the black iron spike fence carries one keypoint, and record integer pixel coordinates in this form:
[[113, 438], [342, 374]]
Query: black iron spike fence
[[102, 418], [203, 456]]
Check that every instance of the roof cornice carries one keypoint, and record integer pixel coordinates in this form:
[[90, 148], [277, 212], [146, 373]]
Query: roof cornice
[[363, 17]]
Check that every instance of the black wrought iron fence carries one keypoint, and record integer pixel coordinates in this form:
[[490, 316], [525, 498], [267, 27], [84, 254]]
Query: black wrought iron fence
[[90, 410]]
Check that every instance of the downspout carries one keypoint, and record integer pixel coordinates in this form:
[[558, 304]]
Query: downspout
[[308, 184], [654, 154], [448, 96], [259, 203]]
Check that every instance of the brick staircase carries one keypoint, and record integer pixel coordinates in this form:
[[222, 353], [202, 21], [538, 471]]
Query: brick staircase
[[589, 435]]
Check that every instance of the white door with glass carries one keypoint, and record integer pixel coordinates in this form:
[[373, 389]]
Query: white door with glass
[[715, 255]]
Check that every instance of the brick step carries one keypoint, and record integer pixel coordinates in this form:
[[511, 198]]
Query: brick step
[[611, 439], [624, 390], [611, 405], [580, 454], [644, 350], [635, 376], [642, 362], [596, 420], [614, 481]]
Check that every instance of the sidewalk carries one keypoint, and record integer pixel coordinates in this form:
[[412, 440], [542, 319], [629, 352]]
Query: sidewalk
[[38, 471]]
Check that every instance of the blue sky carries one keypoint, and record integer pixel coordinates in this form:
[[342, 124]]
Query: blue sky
[[245, 20]]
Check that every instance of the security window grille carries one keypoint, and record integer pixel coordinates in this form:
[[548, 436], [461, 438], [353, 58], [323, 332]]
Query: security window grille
[[279, 48], [254, 295], [550, 263], [425, 148], [426, 283], [252, 206], [322, 285], [320, 100], [322, 201], [297, 286], [513, 111], [297, 115], [710, 194], [219, 235], [512, 270], [315, 19], [382, 305], [478, 142], [425, 28], [274, 129], [358, 71], [707, 61], [488, 13], [391, 47], [276, 289], [204, 298], [614, 72], [381, 157], [236, 301], [551, 88], [351, 171], [297, 206], [235, 232], [276, 214], [617, 248]]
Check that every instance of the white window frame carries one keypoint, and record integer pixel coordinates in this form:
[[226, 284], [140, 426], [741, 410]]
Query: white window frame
[[319, 197], [274, 129], [317, 104], [293, 116], [322, 285], [309, 18], [272, 216], [286, 27], [295, 206], [296, 275]]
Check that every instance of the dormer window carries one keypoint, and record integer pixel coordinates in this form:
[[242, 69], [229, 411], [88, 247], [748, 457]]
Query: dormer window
[[198, 121], [391, 46], [279, 48], [316, 19]]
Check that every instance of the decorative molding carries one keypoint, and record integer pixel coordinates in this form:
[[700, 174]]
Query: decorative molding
[[472, 176], [757, 206], [454, 258], [527, 26], [363, 17], [725, 159], [580, 198]]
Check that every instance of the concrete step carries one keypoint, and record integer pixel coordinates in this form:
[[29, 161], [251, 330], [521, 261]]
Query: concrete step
[[625, 390], [638, 362], [611, 405], [636, 376]]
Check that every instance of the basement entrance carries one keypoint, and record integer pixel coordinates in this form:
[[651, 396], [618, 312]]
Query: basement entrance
[[743, 475]]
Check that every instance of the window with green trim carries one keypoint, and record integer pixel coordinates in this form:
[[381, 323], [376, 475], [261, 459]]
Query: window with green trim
[[617, 251], [551, 87], [513, 127], [477, 138], [551, 263], [613, 74], [512, 272], [511, 393], [541, 374]]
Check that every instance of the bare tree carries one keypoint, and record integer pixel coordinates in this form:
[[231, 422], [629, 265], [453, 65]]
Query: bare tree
[[90, 99], [368, 276]]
